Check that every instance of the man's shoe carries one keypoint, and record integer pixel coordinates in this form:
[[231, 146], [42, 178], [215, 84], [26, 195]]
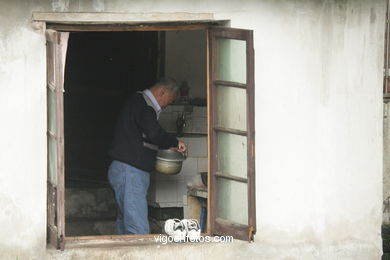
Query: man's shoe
[[176, 229], [192, 229]]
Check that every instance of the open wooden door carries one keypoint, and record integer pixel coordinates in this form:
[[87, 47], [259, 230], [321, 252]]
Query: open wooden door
[[56, 43], [231, 133]]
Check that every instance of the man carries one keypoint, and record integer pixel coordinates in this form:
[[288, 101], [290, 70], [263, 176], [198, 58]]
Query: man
[[137, 138]]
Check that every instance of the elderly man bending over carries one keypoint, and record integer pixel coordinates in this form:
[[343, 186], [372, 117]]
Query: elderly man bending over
[[137, 137]]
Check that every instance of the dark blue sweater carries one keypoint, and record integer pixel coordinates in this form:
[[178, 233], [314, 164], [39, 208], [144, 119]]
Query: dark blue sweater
[[127, 146]]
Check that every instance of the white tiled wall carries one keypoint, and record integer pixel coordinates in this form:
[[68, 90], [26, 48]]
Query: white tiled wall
[[195, 117], [202, 164], [171, 190], [197, 146]]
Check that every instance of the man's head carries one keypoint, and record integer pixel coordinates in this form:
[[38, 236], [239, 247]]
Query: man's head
[[165, 91]]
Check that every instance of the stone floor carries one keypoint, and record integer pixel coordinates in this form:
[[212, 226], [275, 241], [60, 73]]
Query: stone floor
[[90, 211]]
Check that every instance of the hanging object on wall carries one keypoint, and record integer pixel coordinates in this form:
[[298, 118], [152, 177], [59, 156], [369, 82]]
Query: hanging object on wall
[[184, 92]]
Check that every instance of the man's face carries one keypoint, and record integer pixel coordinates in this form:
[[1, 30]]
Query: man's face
[[167, 97]]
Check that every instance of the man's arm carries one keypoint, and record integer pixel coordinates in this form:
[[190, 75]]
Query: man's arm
[[154, 132]]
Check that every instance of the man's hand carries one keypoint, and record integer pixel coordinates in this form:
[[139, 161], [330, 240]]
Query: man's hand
[[181, 147]]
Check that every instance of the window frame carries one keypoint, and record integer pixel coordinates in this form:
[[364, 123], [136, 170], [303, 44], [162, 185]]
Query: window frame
[[208, 26], [56, 44], [218, 225]]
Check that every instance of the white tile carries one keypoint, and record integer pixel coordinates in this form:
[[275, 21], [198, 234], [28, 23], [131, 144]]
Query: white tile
[[169, 204], [188, 141], [189, 126], [181, 188], [165, 177], [189, 180], [185, 198], [175, 115], [199, 111], [193, 180], [184, 139], [198, 147], [177, 108], [199, 125], [166, 191], [202, 164], [185, 211], [190, 167], [167, 109]]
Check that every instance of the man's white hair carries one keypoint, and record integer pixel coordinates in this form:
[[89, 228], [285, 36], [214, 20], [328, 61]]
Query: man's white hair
[[167, 83]]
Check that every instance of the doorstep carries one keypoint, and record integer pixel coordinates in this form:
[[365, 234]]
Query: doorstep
[[114, 241]]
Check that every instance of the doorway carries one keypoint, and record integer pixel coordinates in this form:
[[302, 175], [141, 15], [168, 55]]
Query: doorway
[[229, 73], [102, 70]]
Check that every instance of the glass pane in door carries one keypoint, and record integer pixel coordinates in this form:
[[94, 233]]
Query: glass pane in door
[[51, 63], [233, 201], [51, 111], [52, 160], [231, 60], [231, 107], [232, 154], [231, 92]]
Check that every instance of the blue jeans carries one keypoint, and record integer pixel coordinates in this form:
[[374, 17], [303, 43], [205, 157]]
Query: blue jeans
[[130, 186]]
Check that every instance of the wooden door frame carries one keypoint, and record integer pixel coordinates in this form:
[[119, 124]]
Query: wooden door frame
[[56, 44], [156, 26], [219, 225]]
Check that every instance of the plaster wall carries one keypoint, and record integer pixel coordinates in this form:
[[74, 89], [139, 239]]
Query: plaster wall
[[318, 73]]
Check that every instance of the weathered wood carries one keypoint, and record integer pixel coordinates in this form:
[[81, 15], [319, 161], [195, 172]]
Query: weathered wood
[[227, 228], [114, 237], [251, 134], [217, 225], [230, 130], [123, 27], [115, 240], [51, 37], [213, 145], [53, 135], [56, 52], [60, 57], [51, 86], [52, 231], [74, 17], [229, 84], [231, 177], [230, 33], [209, 131], [51, 214]]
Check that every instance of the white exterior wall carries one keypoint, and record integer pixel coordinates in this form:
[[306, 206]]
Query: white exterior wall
[[318, 74]]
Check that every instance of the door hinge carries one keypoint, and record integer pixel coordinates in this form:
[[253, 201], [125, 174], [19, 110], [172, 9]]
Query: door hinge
[[61, 243]]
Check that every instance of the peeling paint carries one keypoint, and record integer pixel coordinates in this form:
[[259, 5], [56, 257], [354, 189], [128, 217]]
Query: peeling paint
[[318, 129], [98, 5], [60, 5], [372, 16]]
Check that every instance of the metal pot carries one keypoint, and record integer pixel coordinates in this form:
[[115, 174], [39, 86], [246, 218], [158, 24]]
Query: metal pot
[[169, 162]]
